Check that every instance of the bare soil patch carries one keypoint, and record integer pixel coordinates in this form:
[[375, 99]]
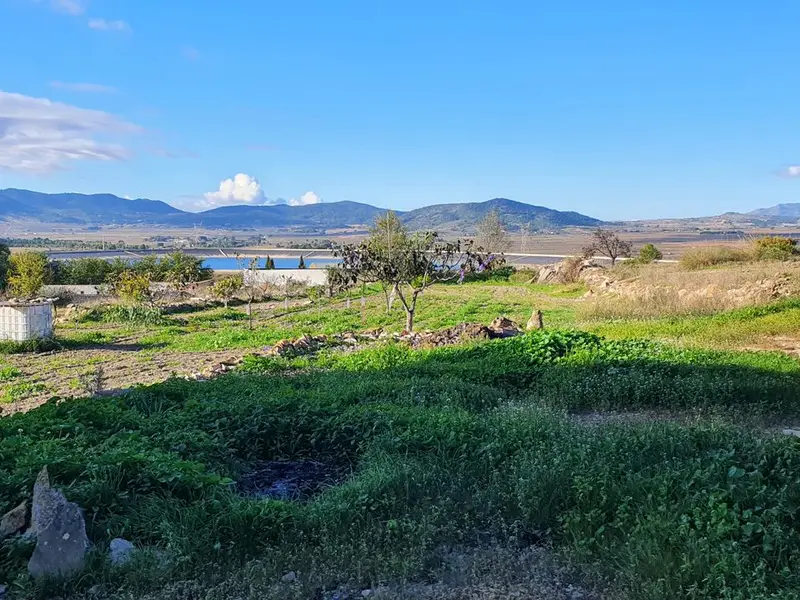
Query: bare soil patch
[[116, 368]]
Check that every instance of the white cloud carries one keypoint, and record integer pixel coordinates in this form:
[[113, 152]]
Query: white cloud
[[792, 171], [70, 7], [92, 88], [305, 199], [240, 189], [104, 25], [38, 136]]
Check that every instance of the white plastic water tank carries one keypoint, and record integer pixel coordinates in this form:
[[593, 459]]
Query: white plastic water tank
[[26, 321]]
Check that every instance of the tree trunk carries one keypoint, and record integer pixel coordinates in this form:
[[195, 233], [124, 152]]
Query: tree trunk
[[363, 310], [386, 299], [250, 314], [226, 303], [392, 296], [410, 320], [411, 309]]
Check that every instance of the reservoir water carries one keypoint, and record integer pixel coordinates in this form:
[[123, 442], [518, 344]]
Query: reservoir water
[[232, 264]]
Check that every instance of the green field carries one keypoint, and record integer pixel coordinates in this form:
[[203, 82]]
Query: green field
[[648, 469]]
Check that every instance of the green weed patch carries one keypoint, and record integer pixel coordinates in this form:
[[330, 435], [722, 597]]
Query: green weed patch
[[439, 446]]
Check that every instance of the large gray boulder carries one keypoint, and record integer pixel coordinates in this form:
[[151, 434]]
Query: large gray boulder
[[61, 547], [60, 530], [45, 504]]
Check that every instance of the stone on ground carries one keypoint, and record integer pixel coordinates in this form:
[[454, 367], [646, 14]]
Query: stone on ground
[[60, 531], [61, 545], [14, 520], [120, 551]]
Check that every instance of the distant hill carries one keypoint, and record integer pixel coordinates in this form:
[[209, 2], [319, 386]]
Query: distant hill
[[779, 211], [107, 209], [89, 209], [332, 215], [465, 217]]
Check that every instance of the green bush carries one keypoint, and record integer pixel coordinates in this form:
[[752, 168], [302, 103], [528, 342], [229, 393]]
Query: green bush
[[648, 254], [28, 272], [81, 271], [774, 248]]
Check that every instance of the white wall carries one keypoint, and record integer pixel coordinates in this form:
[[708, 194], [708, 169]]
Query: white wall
[[53, 291], [281, 276]]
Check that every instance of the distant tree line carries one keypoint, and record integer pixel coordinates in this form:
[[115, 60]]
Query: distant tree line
[[24, 273], [45, 242]]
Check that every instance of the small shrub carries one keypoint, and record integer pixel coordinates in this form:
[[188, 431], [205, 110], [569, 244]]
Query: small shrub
[[710, 256], [8, 372], [133, 314], [774, 248], [648, 254], [227, 287], [34, 345], [131, 286], [502, 273]]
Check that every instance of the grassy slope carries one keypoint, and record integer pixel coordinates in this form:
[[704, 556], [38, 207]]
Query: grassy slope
[[445, 446]]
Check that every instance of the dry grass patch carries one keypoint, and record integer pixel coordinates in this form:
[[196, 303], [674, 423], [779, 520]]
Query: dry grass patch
[[653, 291]]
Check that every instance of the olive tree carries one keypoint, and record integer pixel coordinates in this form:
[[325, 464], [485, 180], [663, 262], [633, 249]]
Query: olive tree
[[410, 269], [492, 235], [389, 236]]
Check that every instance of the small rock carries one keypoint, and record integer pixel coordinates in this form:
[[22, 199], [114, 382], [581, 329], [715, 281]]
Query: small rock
[[503, 327], [14, 520], [536, 321], [3, 591], [120, 551], [366, 593], [792, 432], [290, 577]]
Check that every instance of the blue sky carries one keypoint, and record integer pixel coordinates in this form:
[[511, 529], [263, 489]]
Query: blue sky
[[617, 109]]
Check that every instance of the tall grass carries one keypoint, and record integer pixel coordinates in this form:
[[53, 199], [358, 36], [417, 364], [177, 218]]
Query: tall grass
[[703, 257], [666, 291]]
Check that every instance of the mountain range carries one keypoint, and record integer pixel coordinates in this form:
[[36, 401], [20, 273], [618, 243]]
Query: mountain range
[[107, 209], [779, 211]]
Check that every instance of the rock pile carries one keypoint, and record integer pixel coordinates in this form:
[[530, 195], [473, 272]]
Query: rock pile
[[59, 530], [567, 271]]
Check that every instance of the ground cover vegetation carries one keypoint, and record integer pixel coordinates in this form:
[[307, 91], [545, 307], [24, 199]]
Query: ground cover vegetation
[[645, 451], [441, 447]]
